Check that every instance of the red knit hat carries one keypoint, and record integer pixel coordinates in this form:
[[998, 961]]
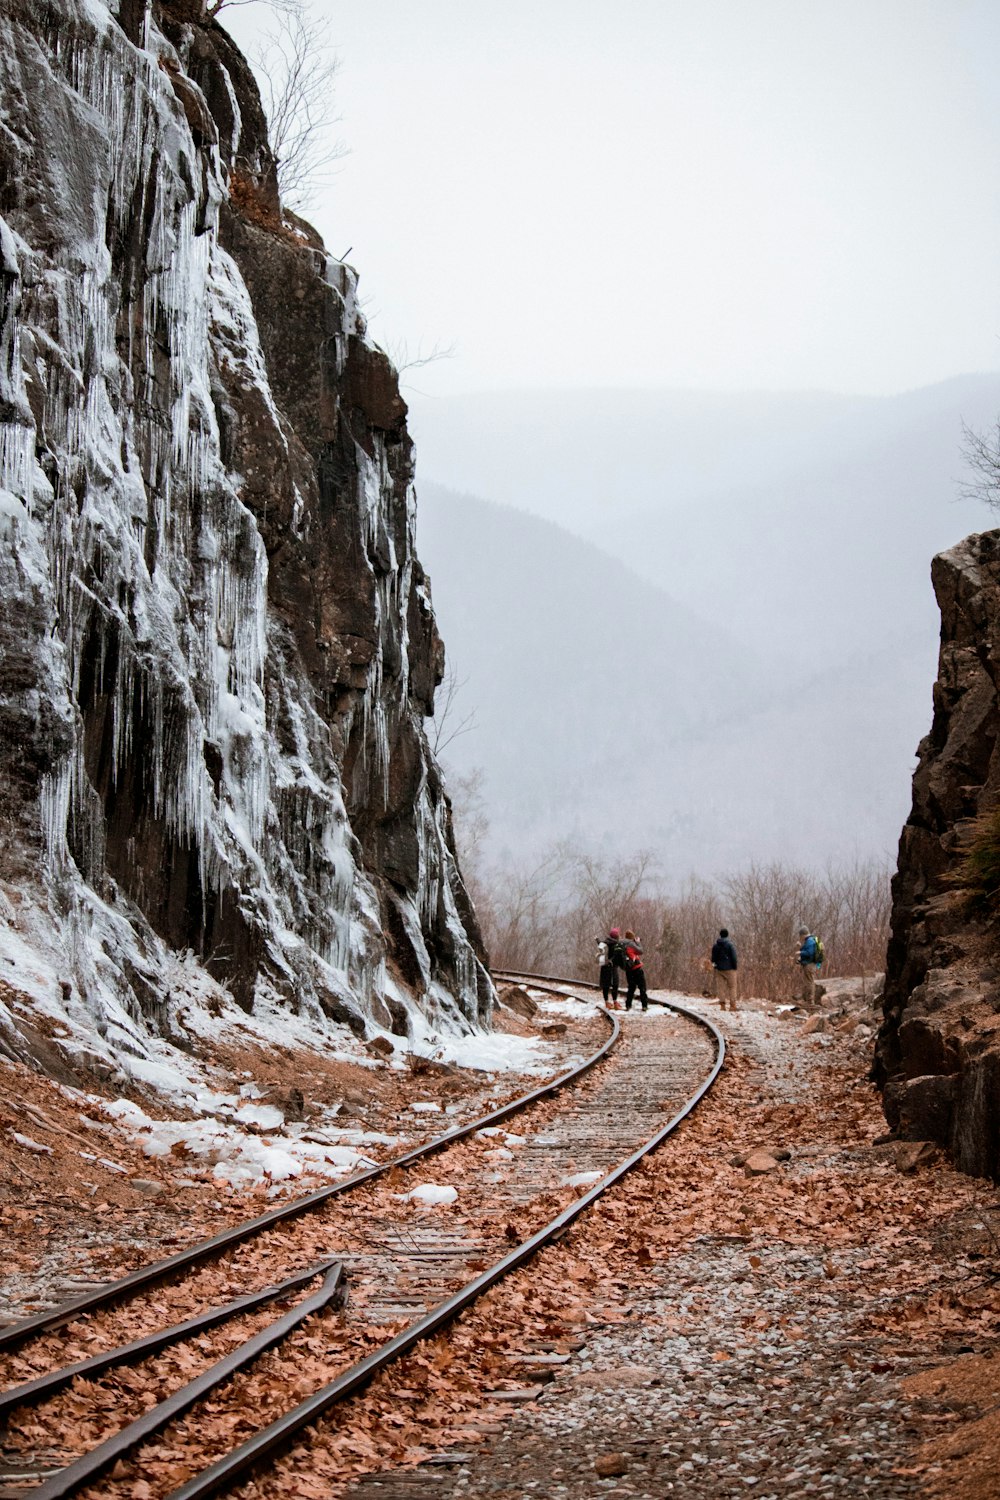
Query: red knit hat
[[615, 932]]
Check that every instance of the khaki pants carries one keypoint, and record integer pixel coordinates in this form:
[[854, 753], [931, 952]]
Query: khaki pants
[[807, 984], [725, 988]]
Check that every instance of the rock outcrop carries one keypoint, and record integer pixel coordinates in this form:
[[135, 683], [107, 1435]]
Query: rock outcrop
[[218, 645], [938, 1052]]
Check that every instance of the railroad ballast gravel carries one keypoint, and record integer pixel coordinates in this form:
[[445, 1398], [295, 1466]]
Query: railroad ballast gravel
[[759, 1328]]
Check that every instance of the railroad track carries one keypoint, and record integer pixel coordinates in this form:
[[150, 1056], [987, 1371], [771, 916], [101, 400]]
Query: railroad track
[[95, 1427]]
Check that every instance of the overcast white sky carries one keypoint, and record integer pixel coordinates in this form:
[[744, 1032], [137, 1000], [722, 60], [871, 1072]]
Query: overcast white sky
[[728, 194]]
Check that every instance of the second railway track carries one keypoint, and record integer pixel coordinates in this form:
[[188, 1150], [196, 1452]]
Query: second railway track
[[410, 1269]]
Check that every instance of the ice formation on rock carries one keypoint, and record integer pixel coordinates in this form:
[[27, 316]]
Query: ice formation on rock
[[217, 641]]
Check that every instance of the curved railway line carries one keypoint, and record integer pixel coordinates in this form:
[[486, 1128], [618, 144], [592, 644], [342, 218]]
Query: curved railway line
[[393, 1274]]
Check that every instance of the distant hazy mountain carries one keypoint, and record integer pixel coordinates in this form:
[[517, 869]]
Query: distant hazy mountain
[[802, 524], [613, 715]]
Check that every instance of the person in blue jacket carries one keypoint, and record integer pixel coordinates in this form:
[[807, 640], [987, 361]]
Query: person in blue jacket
[[808, 959]]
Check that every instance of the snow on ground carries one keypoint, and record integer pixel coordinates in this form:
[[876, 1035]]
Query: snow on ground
[[228, 1132], [430, 1194], [566, 1010], [242, 1160]]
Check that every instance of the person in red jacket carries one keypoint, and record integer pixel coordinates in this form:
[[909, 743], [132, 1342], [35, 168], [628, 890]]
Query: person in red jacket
[[635, 975]]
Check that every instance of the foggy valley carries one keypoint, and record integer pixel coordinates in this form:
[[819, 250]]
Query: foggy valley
[[694, 623]]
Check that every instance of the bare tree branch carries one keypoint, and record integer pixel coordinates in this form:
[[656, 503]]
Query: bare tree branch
[[403, 359], [446, 726], [276, 5], [982, 455], [295, 68]]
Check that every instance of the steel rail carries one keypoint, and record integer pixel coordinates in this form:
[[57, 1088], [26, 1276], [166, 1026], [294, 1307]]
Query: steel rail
[[33, 1391], [516, 976], [17, 1334], [275, 1438], [67, 1481]]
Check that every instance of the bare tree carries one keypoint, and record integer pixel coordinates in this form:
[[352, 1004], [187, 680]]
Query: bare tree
[[447, 723], [470, 820], [547, 917], [213, 9], [296, 67], [982, 455], [405, 358]]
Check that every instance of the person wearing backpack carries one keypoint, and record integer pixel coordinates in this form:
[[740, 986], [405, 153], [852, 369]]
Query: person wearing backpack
[[810, 955], [607, 976], [615, 961], [724, 963], [635, 975]]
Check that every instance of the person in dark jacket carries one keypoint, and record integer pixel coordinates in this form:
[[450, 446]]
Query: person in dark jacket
[[725, 964], [616, 958], [608, 973], [635, 975]]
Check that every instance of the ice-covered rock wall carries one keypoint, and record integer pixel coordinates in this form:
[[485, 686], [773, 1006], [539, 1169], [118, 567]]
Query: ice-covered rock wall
[[217, 641]]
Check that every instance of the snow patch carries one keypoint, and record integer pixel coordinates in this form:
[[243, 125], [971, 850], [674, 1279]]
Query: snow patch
[[430, 1194]]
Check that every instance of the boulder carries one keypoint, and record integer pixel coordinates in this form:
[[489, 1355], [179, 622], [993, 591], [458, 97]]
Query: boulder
[[379, 1046], [909, 1155], [516, 998]]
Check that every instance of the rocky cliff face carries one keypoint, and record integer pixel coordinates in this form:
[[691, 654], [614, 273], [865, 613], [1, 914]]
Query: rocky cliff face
[[217, 641], [938, 1052]]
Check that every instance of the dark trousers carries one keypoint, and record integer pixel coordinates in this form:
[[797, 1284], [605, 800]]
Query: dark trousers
[[636, 981], [609, 982]]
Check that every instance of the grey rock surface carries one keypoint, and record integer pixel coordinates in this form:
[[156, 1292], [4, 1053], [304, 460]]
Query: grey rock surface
[[938, 1051]]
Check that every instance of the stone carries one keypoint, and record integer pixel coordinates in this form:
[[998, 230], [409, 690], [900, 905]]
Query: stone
[[611, 1465], [925, 1107], [147, 1187], [522, 1393], [909, 1155], [812, 1026], [379, 1046], [291, 1102], [758, 1163], [516, 998], [425, 1066], [555, 1028]]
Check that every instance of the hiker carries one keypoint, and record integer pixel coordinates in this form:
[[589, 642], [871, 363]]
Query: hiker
[[724, 963], [634, 973], [607, 971], [616, 959], [808, 961]]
